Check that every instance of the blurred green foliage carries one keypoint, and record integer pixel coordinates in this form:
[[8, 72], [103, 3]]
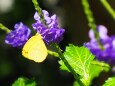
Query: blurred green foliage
[[21, 81]]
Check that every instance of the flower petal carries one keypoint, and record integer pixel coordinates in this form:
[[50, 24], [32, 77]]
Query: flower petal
[[19, 36]]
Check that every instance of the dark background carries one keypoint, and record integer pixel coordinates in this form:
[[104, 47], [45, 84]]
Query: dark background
[[71, 18]]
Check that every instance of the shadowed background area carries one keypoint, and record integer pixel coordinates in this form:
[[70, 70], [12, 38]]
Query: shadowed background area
[[70, 16]]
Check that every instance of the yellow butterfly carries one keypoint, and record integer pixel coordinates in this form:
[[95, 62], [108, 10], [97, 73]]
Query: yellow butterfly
[[35, 49]]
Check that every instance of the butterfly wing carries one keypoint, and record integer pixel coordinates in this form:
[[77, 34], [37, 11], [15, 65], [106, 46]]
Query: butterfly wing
[[35, 49]]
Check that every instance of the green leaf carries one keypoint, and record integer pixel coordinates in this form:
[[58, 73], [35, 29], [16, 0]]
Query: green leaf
[[24, 82], [110, 82], [81, 60], [76, 83], [63, 67], [97, 67]]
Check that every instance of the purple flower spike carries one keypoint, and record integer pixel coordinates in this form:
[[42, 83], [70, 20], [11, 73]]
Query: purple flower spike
[[108, 54], [19, 36], [50, 34]]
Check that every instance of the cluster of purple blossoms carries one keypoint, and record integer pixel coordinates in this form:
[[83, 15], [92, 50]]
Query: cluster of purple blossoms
[[50, 33], [19, 36], [108, 43]]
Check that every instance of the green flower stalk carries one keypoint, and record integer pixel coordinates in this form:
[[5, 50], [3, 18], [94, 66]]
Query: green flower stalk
[[53, 53], [91, 21], [108, 8], [61, 56], [39, 11], [2, 27]]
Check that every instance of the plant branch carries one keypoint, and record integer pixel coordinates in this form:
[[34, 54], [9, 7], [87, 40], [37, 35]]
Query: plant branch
[[39, 11], [91, 21], [108, 8], [2, 27], [61, 56]]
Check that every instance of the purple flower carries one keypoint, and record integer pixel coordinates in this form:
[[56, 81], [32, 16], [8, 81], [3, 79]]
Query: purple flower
[[19, 36], [50, 33], [108, 54]]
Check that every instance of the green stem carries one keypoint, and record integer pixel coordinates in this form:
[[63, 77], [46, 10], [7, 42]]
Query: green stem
[[108, 8], [39, 11], [2, 27], [91, 21], [53, 53], [100, 64], [61, 56]]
